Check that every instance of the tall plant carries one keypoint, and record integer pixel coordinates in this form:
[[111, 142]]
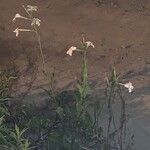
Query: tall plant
[[83, 85], [35, 23], [116, 132]]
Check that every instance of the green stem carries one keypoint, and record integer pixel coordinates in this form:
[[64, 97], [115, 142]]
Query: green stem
[[84, 75]]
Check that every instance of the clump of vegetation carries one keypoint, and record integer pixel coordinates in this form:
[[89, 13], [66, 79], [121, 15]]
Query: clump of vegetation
[[11, 137], [71, 120]]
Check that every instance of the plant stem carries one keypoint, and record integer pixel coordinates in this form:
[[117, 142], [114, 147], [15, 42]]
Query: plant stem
[[84, 76], [41, 50], [38, 39]]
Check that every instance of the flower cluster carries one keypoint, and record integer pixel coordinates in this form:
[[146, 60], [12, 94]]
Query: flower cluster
[[73, 48], [34, 21]]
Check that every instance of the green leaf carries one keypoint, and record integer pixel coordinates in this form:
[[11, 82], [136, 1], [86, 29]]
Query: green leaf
[[79, 108], [60, 112]]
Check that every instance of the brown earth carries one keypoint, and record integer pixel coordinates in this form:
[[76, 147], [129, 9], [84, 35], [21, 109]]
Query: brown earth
[[120, 30]]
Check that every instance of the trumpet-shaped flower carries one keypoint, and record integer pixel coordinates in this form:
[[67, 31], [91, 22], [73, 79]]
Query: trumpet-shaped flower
[[16, 16], [21, 30], [17, 32], [89, 43], [71, 49], [19, 16], [36, 21], [31, 8], [129, 86]]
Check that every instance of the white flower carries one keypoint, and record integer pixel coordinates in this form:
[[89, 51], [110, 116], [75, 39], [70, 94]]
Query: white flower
[[19, 16], [89, 43], [21, 30], [71, 49], [16, 16], [36, 21], [31, 8], [129, 86], [17, 32]]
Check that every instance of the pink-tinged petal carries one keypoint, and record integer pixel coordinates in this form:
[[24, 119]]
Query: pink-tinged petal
[[71, 49]]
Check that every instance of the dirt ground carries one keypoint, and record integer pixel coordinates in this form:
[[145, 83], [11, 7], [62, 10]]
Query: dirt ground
[[120, 31]]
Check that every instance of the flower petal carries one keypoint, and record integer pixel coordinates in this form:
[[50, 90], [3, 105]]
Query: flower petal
[[129, 86], [89, 43], [36, 21], [71, 49], [17, 32], [31, 8], [16, 16]]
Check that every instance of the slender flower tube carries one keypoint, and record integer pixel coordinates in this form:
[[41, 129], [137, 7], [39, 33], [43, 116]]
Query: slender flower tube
[[21, 30], [19, 16]]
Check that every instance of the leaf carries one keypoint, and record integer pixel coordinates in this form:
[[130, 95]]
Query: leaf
[[79, 108], [60, 112], [17, 131], [80, 89], [1, 120]]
